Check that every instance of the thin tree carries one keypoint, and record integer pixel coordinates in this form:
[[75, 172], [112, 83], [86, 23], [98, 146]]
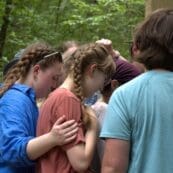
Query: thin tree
[[5, 24]]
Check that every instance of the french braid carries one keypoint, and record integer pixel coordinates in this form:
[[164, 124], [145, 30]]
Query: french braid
[[83, 57]]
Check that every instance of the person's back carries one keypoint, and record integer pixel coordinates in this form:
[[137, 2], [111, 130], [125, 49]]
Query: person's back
[[150, 116], [139, 122]]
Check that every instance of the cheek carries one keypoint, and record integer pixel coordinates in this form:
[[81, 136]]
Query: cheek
[[100, 82], [97, 85], [47, 81], [60, 80], [100, 86], [46, 78]]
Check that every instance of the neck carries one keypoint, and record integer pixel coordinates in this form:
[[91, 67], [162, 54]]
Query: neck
[[28, 80], [68, 84], [25, 82]]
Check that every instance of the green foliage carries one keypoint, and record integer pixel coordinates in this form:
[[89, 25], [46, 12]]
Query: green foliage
[[84, 20]]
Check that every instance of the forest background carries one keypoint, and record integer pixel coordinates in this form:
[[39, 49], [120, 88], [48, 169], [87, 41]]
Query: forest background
[[25, 21]]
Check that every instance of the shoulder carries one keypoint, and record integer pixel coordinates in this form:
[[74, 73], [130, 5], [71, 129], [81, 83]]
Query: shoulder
[[60, 100], [134, 86], [18, 98], [61, 94]]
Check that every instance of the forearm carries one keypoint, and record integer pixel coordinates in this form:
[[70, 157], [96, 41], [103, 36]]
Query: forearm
[[106, 169], [80, 156], [90, 138], [40, 145], [89, 147]]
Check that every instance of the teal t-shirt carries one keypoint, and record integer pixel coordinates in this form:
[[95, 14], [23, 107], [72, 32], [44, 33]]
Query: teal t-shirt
[[141, 111]]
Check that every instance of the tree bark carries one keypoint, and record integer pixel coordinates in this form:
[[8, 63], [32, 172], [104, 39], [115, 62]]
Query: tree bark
[[152, 5], [4, 26]]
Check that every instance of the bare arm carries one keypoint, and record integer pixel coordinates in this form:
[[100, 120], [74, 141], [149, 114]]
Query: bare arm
[[80, 156], [116, 156], [61, 133]]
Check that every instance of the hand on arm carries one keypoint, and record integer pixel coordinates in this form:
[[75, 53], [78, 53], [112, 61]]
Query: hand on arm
[[116, 156], [61, 133]]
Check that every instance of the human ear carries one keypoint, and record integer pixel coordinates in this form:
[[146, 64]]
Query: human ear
[[36, 69], [114, 84], [92, 69]]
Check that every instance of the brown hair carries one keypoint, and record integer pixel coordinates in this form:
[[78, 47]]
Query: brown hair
[[84, 56], [154, 39], [64, 46], [67, 48], [37, 53]]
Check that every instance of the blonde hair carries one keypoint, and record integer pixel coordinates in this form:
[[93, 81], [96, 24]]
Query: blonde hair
[[33, 54], [85, 56]]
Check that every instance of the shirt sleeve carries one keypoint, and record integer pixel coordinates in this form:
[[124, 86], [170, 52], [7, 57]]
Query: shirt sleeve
[[71, 108], [15, 131], [116, 122]]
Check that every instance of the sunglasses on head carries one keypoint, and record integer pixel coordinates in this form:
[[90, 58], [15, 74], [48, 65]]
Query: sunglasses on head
[[58, 54]]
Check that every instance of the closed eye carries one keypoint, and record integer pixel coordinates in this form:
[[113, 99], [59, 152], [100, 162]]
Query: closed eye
[[56, 78]]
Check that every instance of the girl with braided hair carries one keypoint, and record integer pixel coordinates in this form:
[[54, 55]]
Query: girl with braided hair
[[34, 76], [91, 66]]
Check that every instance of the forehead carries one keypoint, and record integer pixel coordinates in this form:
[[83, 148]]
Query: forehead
[[55, 68]]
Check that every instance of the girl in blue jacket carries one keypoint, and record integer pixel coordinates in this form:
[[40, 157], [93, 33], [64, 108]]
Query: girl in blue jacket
[[38, 72]]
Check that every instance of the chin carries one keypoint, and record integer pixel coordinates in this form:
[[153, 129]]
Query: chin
[[44, 95], [90, 95]]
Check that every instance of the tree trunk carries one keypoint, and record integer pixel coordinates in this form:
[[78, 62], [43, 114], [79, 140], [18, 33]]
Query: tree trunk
[[152, 5], [4, 26]]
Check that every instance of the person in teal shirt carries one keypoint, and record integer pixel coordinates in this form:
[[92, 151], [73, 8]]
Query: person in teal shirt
[[138, 125]]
